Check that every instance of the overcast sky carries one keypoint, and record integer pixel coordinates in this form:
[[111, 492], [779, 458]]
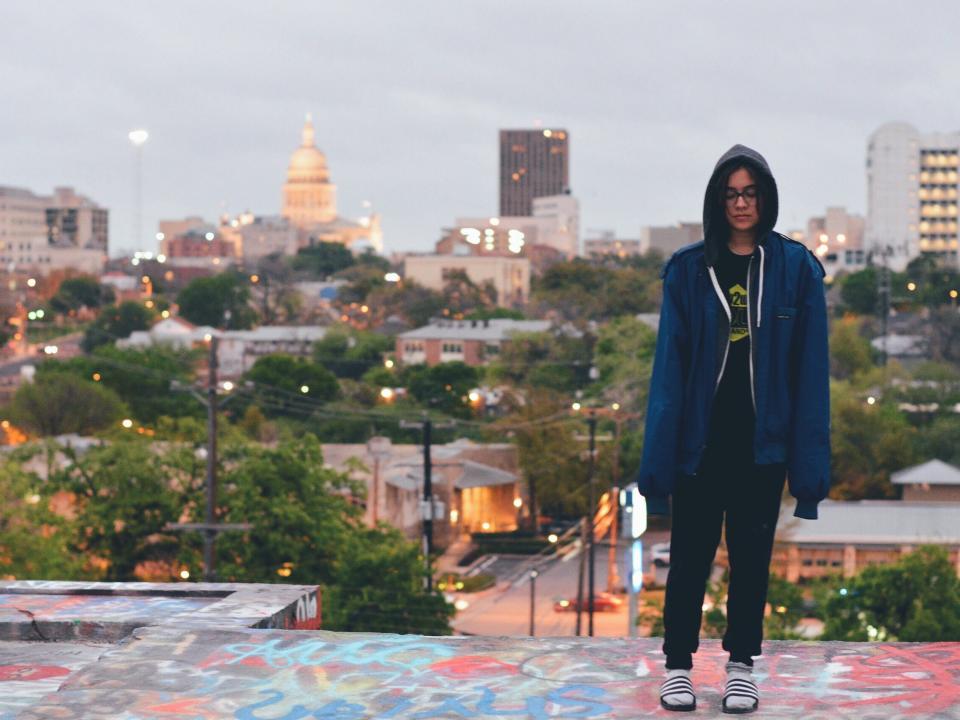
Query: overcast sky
[[407, 98]]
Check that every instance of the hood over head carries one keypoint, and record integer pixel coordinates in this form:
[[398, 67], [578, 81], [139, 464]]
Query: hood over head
[[715, 227]]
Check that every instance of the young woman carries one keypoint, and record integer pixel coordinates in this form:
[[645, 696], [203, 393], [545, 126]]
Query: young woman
[[739, 402]]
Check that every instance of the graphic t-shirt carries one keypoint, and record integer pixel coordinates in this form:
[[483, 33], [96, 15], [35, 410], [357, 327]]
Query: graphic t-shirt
[[732, 417]]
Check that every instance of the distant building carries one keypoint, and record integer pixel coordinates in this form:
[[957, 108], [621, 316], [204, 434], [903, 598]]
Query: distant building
[[473, 342], [837, 240], [510, 276], [849, 536], [932, 481], [310, 201], [237, 350], [75, 221], [474, 485], [43, 234], [912, 193], [199, 241], [533, 164], [607, 243], [909, 350], [671, 238]]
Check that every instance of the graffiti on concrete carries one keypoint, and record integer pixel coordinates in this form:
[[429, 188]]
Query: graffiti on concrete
[[260, 674], [96, 607], [29, 671]]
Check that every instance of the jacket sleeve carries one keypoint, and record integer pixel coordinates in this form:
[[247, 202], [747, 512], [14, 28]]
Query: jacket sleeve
[[808, 451], [658, 464]]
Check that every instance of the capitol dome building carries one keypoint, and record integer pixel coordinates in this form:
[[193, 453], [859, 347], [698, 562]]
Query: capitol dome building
[[308, 195]]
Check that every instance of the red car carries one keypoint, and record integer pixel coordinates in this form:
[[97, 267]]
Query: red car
[[604, 602]]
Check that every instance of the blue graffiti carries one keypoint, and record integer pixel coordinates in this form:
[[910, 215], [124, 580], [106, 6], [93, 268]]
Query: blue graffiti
[[276, 654], [334, 710]]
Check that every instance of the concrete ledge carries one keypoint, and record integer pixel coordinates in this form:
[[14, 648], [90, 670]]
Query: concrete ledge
[[108, 612]]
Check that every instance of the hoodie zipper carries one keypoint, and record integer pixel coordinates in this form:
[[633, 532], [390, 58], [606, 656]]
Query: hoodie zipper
[[753, 397]]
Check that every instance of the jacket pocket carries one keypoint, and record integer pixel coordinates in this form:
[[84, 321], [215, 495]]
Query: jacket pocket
[[784, 312]]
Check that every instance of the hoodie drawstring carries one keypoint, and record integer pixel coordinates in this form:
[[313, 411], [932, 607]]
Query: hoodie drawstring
[[760, 296]]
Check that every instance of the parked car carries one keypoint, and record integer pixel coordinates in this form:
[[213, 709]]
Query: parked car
[[603, 602], [660, 554]]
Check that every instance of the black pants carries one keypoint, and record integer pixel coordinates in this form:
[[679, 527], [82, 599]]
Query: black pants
[[748, 496]]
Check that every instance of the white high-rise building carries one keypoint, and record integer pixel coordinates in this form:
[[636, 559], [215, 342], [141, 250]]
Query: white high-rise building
[[912, 190]]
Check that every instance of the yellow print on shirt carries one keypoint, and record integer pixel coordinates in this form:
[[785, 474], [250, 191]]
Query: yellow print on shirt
[[737, 297]]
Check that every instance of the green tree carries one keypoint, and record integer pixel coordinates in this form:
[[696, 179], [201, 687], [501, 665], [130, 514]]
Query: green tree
[[940, 440], [869, 442], [917, 599], [286, 385], [549, 453], [850, 352], [301, 513], [140, 378], [84, 291], [859, 291], [323, 259], [408, 300], [624, 356], [444, 387], [545, 359], [58, 403], [786, 609], [125, 495], [33, 539], [219, 301], [350, 353], [380, 589], [117, 322]]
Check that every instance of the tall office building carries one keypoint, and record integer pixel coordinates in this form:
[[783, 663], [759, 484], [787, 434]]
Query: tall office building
[[912, 191], [75, 221], [533, 164], [63, 231]]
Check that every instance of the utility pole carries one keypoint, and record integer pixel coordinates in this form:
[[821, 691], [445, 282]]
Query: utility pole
[[209, 536], [582, 564], [427, 510], [590, 523], [210, 527], [533, 594], [592, 425]]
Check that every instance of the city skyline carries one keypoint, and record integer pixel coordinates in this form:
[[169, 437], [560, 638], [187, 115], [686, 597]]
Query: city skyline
[[409, 119]]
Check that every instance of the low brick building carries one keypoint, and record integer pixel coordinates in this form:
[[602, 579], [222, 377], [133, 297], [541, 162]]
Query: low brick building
[[470, 341], [849, 536]]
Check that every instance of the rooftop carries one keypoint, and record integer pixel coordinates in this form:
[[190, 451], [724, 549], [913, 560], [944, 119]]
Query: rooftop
[[496, 329], [202, 663], [932, 472], [877, 522]]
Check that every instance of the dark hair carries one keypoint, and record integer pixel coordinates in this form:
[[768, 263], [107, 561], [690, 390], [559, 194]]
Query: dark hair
[[760, 179]]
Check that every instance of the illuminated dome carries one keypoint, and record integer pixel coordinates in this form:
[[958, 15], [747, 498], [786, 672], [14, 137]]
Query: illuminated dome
[[309, 197], [308, 164]]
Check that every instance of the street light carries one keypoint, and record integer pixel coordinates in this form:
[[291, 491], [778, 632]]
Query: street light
[[137, 138]]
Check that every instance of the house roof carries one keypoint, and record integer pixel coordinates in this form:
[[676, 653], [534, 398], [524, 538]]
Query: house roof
[[932, 472], [874, 522], [496, 329]]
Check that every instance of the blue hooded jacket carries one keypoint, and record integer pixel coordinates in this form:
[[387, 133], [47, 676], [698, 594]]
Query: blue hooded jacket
[[789, 359]]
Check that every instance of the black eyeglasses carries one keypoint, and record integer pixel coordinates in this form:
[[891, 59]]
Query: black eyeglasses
[[749, 195]]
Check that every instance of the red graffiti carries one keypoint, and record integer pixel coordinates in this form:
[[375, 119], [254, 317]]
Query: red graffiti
[[30, 673], [922, 679], [473, 666], [187, 707]]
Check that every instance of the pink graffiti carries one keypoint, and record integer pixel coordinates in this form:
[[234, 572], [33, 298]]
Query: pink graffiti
[[923, 679], [30, 673], [470, 666]]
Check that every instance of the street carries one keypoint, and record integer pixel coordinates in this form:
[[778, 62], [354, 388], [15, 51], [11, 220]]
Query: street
[[499, 611]]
